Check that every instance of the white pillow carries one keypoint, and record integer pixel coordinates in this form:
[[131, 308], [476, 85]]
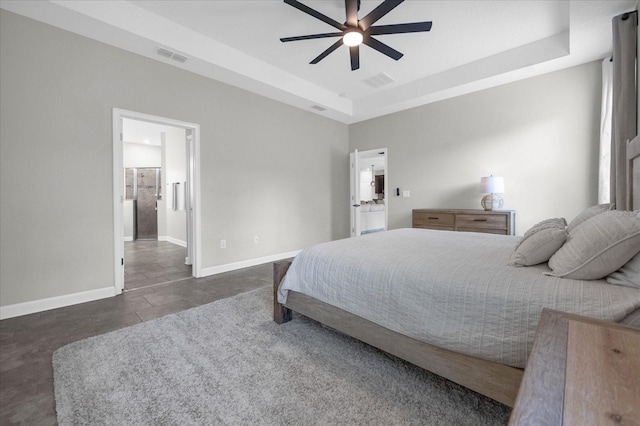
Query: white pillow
[[598, 246], [588, 213], [540, 242], [628, 275]]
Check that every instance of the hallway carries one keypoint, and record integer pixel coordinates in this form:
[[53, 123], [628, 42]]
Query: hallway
[[150, 263]]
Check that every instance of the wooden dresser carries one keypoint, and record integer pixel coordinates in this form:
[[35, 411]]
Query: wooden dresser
[[581, 371], [490, 222]]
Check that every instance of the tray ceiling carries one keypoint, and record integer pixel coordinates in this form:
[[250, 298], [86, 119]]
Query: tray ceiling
[[472, 45]]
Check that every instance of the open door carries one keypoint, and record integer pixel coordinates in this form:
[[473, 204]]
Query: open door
[[369, 191], [118, 203], [189, 198], [355, 194]]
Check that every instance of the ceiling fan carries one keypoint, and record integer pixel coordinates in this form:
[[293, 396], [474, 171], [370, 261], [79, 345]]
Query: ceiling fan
[[356, 31]]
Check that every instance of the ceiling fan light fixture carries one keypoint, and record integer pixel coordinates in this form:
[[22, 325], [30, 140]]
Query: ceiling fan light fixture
[[352, 38], [352, 32]]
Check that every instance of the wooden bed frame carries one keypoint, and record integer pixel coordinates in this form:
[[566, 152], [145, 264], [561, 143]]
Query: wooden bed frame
[[497, 381]]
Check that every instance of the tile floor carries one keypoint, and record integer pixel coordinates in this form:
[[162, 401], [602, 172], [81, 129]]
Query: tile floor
[[28, 342], [153, 262]]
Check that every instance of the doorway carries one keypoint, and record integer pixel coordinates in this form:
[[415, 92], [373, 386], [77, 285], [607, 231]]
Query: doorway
[[155, 161], [369, 191], [156, 199]]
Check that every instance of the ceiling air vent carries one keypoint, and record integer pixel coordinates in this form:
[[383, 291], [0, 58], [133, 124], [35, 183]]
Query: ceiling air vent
[[318, 108], [171, 55], [379, 80], [164, 52], [179, 58]]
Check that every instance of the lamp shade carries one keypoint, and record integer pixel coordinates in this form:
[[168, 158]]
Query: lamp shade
[[492, 185]]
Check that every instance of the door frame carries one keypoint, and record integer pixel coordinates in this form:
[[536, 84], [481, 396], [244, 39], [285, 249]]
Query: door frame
[[193, 176], [354, 193]]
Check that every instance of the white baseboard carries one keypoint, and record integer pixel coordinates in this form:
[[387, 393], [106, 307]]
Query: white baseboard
[[163, 238], [213, 270], [34, 306], [173, 241]]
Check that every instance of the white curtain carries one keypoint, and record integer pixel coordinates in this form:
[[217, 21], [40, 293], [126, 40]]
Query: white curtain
[[623, 127], [604, 175]]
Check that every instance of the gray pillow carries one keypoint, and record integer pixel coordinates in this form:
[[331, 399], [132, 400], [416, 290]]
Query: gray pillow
[[540, 242], [628, 275], [598, 246], [588, 213]]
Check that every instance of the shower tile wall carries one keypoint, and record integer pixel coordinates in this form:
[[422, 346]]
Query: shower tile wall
[[147, 205]]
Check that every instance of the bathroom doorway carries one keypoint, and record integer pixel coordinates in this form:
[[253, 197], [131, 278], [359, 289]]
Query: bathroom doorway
[[369, 195], [156, 200]]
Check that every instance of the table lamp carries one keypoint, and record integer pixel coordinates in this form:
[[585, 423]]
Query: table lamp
[[492, 185]]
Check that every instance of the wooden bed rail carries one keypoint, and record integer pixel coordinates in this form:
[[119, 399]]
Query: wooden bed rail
[[280, 313], [497, 381]]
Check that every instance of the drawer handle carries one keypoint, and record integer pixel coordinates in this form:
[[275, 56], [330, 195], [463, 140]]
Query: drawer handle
[[479, 220], [433, 218]]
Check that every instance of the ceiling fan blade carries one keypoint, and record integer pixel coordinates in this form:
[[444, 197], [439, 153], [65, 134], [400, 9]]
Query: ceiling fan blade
[[351, 6], [310, 37], [377, 13], [413, 27], [382, 48], [324, 54], [354, 52], [306, 9]]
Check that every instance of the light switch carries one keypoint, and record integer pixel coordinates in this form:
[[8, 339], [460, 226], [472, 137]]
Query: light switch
[[406, 194]]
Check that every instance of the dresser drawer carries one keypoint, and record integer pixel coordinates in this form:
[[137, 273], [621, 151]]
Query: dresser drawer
[[483, 222], [483, 230], [466, 220], [433, 220]]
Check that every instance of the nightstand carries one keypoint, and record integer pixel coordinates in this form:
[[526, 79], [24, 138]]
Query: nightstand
[[489, 222], [581, 371]]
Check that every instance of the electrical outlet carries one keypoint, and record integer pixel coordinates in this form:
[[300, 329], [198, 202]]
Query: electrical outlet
[[256, 240], [223, 243]]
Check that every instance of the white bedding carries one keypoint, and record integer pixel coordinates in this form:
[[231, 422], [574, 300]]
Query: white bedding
[[450, 289]]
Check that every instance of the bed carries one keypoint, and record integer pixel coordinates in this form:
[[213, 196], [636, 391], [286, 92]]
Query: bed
[[471, 321]]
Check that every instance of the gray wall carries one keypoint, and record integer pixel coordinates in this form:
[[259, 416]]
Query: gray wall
[[56, 216], [540, 134]]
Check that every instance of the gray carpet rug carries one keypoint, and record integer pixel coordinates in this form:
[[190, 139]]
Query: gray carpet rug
[[228, 363]]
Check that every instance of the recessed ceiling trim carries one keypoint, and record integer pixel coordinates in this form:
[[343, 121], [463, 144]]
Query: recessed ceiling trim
[[467, 78], [124, 25], [130, 26]]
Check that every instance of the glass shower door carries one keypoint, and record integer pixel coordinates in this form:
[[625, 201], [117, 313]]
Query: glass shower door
[[146, 204]]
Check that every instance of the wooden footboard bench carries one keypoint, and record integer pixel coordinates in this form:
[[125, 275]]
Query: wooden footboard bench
[[497, 381]]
